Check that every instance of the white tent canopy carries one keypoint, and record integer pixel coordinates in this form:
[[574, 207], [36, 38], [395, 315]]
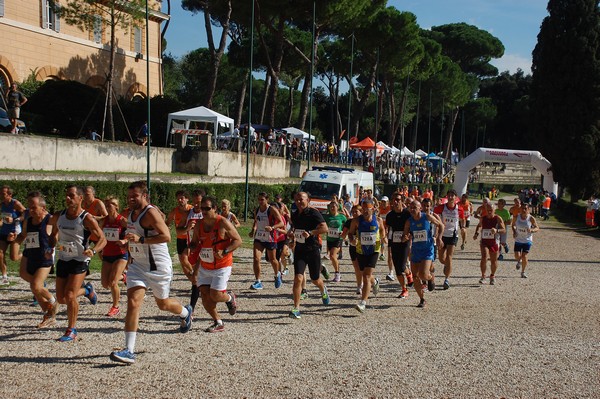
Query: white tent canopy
[[199, 114], [405, 152], [420, 153], [385, 146], [395, 150], [297, 133]]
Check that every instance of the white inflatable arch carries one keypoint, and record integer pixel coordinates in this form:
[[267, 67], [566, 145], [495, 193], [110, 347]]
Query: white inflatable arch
[[534, 158]]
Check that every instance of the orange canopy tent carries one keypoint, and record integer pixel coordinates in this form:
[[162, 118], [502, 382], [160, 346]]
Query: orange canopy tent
[[366, 144]]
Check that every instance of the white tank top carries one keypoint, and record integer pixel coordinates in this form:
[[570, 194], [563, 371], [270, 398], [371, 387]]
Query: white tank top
[[522, 225], [72, 237], [262, 221], [450, 219], [150, 257]]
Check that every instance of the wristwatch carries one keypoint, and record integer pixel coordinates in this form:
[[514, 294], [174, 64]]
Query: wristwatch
[[142, 239]]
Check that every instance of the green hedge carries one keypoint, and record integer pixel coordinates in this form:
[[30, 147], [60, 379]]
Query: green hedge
[[162, 194]]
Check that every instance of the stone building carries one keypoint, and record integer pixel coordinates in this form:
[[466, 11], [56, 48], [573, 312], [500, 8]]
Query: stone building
[[34, 40]]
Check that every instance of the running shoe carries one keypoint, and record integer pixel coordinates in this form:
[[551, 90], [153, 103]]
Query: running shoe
[[186, 322], [325, 296], [51, 311], [47, 321], [409, 279], [337, 277], [361, 306], [278, 281], [123, 356], [403, 294], [294, 314], [70, 335], [390, 277], [500, 257], [376, 287], [492, 280], [114, 311], [359, 290], [340, 256], [4, 281], [518, 265], [232, 305], [523, 275], [325, 272], [215, 327], [257, 285], [422, 303], [506, 248], [124, 277], [462, 246], [382, 256], [446, 284], [304, 294], [34, 303], [326, 256], [91, 293], [431, 284], [482, 280], [285, 271]]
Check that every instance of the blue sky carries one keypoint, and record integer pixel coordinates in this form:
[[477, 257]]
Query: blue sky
[[515, 22]]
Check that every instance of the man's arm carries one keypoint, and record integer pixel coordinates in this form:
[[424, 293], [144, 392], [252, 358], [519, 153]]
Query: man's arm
[[152, 220], [92, 226]]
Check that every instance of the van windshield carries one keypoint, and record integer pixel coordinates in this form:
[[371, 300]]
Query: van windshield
[[320, 190]]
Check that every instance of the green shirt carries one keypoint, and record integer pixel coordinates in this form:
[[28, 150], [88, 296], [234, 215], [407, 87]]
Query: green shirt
[[504, 214], [334, 226]]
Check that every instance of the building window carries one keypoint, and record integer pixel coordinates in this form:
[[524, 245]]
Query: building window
[[97, 31], [4, 83], [50, 18], [1, 8], [137, 39]]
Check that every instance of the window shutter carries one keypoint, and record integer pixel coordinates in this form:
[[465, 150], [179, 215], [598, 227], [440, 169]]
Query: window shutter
[[137, 38], [56, 26], [1, 8], [44, 13]]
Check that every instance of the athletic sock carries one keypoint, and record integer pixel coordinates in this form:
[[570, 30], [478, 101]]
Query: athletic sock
[[194, 297], [130, 340], [230, 298], [184, 312]]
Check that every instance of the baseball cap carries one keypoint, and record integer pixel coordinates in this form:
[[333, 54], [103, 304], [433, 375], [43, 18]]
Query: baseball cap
[[385, 198]]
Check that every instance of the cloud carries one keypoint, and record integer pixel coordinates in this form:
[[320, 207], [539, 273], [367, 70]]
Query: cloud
[[512, 62]]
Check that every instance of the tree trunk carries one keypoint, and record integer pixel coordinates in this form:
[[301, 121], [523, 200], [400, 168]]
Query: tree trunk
[[303, 114], [241, 100], [215, 54], [265, 96], [362, 100], [291, 102], [449, 132]]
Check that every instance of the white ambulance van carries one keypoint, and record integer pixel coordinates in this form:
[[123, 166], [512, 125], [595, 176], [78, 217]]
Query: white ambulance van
[[322, 182]]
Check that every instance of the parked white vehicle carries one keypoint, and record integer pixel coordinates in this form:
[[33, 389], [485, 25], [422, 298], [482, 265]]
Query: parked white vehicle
[[322, 182]]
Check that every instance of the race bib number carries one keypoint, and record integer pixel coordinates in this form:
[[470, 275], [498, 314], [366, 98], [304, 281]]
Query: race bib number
[[68, 248], [397, 236], [111, 233], [299, 236], [368, 238], [138, 251], [450, 221], [207, 255], [522, 231], [263, 236], [486, 234], [32, 240], [7, 217], [333, 232], [419, 236]]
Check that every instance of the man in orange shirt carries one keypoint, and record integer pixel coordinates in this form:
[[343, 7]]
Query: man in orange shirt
[[93, 206], [468, 211]]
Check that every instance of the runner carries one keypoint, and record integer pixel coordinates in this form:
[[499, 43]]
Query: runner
[[150, 267], [94, 207], [38, 256], [335, 222], [419, 228], [383, 210], [467, 207], [523, 227], [216, 238], [114, 256], [399, 249], [370, 231], [506, 218], [356, 211], [491, 225], [308, 224], [71, 229], [266, 220], [227, 214], [186, 228], [453, 219], [10, 221]]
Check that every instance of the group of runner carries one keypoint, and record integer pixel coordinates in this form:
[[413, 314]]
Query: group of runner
[[133, 247]]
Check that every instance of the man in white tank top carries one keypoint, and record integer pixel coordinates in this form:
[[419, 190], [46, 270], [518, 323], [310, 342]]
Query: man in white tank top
[[147, 237]]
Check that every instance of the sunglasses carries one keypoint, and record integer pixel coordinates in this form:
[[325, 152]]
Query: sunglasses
[[205, 208]]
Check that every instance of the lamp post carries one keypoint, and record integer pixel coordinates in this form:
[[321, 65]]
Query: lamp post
[[148, 143], [349, 99], [249, 113], [312, 72]]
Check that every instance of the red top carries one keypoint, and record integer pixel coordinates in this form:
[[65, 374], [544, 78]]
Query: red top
[[113, 231], [487, 238]]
